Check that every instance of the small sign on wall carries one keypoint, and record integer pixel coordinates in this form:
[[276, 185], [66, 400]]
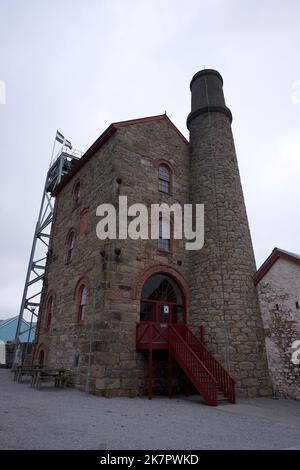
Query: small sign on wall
[[166, 308]]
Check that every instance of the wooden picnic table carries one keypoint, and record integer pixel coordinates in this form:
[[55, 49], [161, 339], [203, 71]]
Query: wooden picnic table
[[48, 374]]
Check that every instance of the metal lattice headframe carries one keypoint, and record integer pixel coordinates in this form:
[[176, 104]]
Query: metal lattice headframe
[[30, 305]]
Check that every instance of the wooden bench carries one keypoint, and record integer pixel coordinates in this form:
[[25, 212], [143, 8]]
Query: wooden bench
[[21, 372]]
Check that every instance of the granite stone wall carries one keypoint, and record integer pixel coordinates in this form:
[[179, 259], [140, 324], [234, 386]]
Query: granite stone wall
[[279, 292]]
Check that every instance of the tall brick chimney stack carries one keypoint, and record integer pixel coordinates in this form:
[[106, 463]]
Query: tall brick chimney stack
[[224, 298]]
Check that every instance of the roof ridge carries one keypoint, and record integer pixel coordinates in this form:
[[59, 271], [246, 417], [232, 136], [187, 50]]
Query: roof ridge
[[271, 259], [157, 117]]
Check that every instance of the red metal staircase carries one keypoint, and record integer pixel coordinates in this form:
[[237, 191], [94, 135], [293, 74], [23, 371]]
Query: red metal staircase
[[206, 374], [218, 378]]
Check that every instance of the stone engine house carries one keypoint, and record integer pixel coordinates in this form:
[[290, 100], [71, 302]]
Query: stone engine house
[[126, 316]]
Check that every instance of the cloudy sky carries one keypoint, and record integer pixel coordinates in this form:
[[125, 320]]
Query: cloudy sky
[[77, 66]]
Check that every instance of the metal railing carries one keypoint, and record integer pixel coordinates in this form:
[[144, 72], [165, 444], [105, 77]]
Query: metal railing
[[225, 382], [201, 367], [151, 335], [191, 364]]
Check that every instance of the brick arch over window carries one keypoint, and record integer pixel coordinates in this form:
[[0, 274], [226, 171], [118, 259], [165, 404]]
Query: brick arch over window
[[161, 161], [84, 220], [82, 284], [156, 269]]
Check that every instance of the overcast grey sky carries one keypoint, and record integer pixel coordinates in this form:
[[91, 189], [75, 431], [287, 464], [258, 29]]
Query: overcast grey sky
[[77, 66]]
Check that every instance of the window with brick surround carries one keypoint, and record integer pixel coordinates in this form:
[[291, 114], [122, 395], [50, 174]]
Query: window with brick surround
[[49, 311], [164, 178], [41, 357], [70, 247], [165, 238], [82, 301], [76, 194]]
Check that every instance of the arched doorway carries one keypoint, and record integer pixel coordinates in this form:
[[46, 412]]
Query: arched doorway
[[41, 358], [162, 300]]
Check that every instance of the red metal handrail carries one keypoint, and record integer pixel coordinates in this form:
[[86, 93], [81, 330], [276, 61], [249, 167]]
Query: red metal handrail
[[191, 364], [225, 382]]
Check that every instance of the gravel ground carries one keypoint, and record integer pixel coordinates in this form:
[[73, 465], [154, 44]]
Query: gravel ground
[[69, 419]]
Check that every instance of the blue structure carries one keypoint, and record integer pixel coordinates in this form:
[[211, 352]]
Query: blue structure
[[8, 330]]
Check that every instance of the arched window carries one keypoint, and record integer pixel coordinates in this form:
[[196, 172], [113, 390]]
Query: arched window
[[165, 234], [76, 194], [70, 246], [49, 311], [164, 178], [82, 301]]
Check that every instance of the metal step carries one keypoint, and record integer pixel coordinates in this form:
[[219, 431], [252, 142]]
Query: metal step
[[221, 397]]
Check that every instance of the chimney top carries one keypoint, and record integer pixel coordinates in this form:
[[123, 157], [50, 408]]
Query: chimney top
[[203, 72], [207, 95]]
